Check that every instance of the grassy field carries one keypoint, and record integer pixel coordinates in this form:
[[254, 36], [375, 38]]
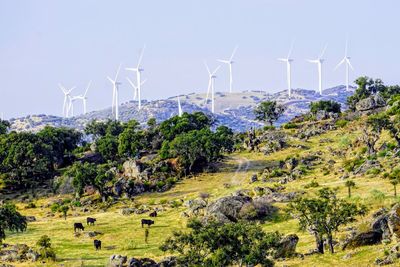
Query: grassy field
[[124, 235]]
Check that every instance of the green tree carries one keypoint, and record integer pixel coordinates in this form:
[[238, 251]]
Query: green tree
[[217, 244], [268, 111], [107, 146], [11, 220], [324, 105], [131, 140], [365, 87], [324, 215], [101, 129], [394, 179], [45, 249], [4, 125], [64, 210], [349, 184]]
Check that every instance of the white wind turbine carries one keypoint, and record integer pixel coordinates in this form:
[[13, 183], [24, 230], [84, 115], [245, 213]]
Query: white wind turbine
[[139, 82], [230, 62], [115, 84], [211, 86], [84, 98], [346, 61], [288, 61], [135, 88], [67, 96], [180, 112], [319, 62]]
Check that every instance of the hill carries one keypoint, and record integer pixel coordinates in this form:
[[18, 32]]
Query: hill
[[234, 110]]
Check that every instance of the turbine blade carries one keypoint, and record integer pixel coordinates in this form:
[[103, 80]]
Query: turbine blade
[[215, 71], [111, 80], [323, 52], [143, 82], [348, 62], [87, 89], [141, 56], [132, 84], [290, 50], [233, 53], [223, 61], [340, 63], [208, 69], [116, 75]]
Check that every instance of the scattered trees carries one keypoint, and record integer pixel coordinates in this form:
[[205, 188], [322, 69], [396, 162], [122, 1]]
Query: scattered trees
[[217, 244], [349, 184], [394, 178], [324, 215], [268, 111]]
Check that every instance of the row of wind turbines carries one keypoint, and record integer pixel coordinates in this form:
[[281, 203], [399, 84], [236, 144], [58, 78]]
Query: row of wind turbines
[[69, 100]]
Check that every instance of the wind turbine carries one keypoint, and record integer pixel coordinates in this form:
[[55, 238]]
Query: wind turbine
[[346, 61], [288, 61], [319, 62], [70, 110], [179, 107], [229, 62], [211, 85], [84, 97], [135, 88], [139, 82], [67, 95], [115, 84]]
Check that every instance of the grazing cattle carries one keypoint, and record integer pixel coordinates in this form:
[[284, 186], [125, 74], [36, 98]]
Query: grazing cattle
[[78, 226], [90, 221], [97, 244], [153, 214], [148, 222]]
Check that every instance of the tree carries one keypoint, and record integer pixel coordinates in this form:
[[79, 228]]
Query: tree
[[366, 87], [25, 160], [268, 111], [64, 210], [322, 105], [371, 131], [10, 219], [4, 125], [45, 249], [131, 140], [101, 129], [349, 184], [394, 179], [107, 146], [218, 244], [324, 215], [146, 235]]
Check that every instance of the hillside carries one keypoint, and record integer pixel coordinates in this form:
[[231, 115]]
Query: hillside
[[233, 110], [122, 234]]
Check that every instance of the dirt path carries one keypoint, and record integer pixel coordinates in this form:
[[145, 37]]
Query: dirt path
[[243, 165]]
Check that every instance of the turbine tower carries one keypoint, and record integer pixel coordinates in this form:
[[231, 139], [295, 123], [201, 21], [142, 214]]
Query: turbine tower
[[84, 98], [67, 95], [139, 82], [115, 84], [70, 111], [288, 61], [211, 86], [346, 61], [179, 107], [230, 62], [319, 62]]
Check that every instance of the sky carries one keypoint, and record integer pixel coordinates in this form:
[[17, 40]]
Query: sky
[[46, 42]]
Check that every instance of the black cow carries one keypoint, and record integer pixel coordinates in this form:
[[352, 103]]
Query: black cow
[[78, 226], [97, 244], [148, 222], [153, 214], [90, 221]]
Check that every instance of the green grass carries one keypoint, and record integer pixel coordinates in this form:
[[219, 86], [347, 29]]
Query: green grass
[[124, 235]]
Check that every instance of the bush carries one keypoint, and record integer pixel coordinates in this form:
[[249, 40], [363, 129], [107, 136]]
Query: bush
[[45, 249], [341, 123], [290, 125], [313, 183], [31, 205]]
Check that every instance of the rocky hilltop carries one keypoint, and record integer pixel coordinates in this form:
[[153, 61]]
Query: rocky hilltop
[[232, 109]]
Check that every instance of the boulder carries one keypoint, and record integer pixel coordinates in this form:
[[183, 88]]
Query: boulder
[[168, 262], [253, 178], [144, 262], [118, 260], [93, 234], [131, 168], [127, 211], [364, 239], [226, 209], [371, 103], [287, 246], [367, 165], [30, 218]]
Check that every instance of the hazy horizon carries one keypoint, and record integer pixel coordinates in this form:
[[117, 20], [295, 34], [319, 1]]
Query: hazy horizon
[[44, 43]]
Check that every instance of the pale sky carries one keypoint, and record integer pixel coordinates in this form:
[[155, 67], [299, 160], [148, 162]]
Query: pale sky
[[44, 42]]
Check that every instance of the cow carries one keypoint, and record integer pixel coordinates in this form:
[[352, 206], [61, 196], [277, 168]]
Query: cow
[[153, 214], [148, 222], [90, 221], [97, 244], [78, 226]]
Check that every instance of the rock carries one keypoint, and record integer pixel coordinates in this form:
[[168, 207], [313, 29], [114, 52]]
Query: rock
[[348, 256], [30, 218], [32, 255], [287, 247], [253, 178], [195, 205], [127, 211], [131, 168], [367, 165], [144, 262], [93, 234], [118, 260], [364, 239], [281, 197], [168, 262], [371, 103], [226, 209], [394, 221]]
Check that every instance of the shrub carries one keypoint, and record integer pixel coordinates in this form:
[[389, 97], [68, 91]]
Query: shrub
[[313, 183], [31, 205], [374, 171], [341, 123], [290, 125], [45, 249]]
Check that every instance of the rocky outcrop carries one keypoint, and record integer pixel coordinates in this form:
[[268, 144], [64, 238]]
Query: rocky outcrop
[[363, 239], [131, 168], [118, 260], [168, 262], [388, 223], [371, 103], [287, 247]]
